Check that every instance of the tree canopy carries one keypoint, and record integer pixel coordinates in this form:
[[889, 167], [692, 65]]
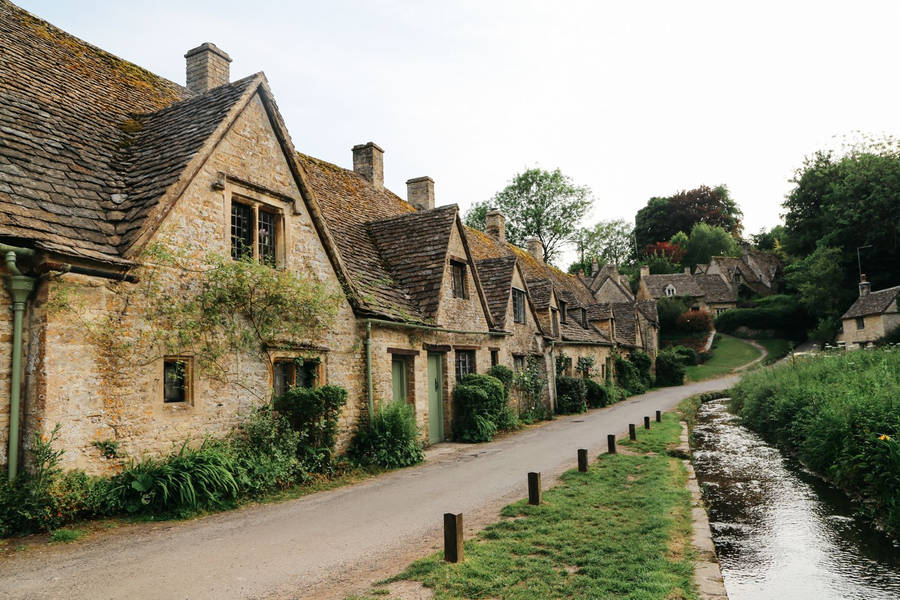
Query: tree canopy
[[607, 241], [705, 242], [664, 217], [537, 203]]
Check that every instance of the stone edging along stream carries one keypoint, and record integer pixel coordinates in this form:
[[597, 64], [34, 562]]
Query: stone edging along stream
[[707, 574]]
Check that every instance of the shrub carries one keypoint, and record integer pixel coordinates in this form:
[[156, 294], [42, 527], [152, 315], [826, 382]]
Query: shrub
[[643, 363], [571, 395], [839, 414], [530, 383], [614, 393], [478, 402], [694, 321], [392, 441], [628, 376], [265, 452], [668, 311], [313, 413], [670, 368], [596, 394], [891, 338], [687, 355], [780, 313], [505, 375]]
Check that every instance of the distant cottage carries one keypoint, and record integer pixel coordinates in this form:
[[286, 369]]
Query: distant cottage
[[101, 161], [873, 316]]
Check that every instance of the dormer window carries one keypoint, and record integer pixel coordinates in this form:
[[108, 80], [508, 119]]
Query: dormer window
[[518, 297], [670, 290], [554, 320], [563, 311], [255, 232], [458, 273], [583, 318]]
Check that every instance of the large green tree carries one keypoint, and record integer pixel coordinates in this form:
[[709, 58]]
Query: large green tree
[[607, 241], [705, 242], [537, 203], [664, 217]]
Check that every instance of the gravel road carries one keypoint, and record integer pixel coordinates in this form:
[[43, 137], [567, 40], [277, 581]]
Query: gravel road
[[328, 544]]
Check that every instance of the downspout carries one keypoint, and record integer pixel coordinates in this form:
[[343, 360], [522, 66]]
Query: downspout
[[369, 389], [19, 287]]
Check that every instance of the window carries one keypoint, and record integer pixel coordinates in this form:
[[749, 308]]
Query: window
[[584, 318], [458, 271], [176, 380], [293, 372], [562, 311], [399, 378], [465, 363], [255, 232], [554, 318], [518, 297], [495, 358], [860, 322], [670, 290], [518, 363]]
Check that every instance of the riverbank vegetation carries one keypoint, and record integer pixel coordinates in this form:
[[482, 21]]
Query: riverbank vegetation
[[840, 414], [620, 530]]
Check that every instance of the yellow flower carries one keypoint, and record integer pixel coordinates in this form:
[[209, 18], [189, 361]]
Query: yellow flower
[[884, 438]]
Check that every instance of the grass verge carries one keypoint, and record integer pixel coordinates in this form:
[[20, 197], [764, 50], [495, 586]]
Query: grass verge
[[66, 535], [776, 349], [729, 354], [620, 530]]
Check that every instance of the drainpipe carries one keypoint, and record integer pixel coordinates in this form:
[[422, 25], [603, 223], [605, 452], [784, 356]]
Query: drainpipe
[[370, 390], [19, 287]]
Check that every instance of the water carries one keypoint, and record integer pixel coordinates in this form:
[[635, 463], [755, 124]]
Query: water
[[780, 532]]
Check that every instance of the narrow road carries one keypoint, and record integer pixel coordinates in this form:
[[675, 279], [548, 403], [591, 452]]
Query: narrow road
[[762, 356], [331, 543]]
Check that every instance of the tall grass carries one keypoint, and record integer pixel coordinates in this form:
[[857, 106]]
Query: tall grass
[[840, 414]]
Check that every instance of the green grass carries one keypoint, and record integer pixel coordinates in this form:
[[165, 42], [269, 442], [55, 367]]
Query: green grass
[[66, 535], [729, 354], [621, 530], [777, 349]]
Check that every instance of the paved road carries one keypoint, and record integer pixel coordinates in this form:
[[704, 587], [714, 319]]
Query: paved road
[[326, 544]]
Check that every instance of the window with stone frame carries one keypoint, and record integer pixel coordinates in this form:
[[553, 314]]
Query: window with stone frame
[[458, 274], [518, 363], [670, 290], [583, 315], [176, 379], [860, 322], [465, 363], [495, 358], [256, 232], [562, 311], [293, 372], [518, 297], [554, 320]]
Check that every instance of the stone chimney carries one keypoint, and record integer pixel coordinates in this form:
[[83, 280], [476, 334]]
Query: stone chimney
[[420, 192], [495, 225], [645, 271], [207, 67], [864, 286], [368, 161], [536, 248], [595, 266]]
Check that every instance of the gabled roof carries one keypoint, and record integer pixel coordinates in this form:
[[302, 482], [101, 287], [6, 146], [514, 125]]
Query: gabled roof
[[572, 331], [496, 279], [626, 322], [683, 283], [649, 310], [874, 303], [715, 288]]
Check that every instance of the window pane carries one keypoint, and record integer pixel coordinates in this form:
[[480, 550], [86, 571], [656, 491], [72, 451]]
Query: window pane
[[465, 363], [398, 379], [174, 378], [241, 231], [459, 280], [267, 232], [284, 376], [306, 374], [519, 306]]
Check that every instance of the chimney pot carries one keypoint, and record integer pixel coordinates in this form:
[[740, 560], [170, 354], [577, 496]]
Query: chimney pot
[[420, 192], [864, 286], [495, 225], [536, 248], [206, 67], [368, 161]]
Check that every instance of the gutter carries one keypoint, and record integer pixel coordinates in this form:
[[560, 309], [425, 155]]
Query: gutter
[[369, 388], [20, 287]]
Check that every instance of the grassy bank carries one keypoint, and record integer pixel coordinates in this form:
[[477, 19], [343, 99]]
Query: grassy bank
[[840, 414], [730, 353], [620, 530], [776, 348]]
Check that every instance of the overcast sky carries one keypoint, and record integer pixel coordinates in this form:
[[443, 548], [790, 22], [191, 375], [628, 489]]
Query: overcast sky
[[633, 99]]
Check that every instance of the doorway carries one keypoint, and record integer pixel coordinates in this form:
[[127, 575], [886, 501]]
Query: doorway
[[435, 398]]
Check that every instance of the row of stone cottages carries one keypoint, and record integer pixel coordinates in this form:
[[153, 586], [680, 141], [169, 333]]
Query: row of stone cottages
[[100, 158]]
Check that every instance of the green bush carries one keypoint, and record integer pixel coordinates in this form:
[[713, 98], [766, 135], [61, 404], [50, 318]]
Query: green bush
[[614, 393], [571, 395], [781, 313], [596, 394], [839, 414], [314, 413], [505, 375], [644, 364], [893, 337], [670, 368], [687, 355], [265, 453], [392, 441], [479, 401], [628, 377], [669, 309]]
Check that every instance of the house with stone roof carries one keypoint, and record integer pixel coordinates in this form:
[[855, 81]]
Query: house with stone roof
[[708, 292], [872, 316], [756, 272]]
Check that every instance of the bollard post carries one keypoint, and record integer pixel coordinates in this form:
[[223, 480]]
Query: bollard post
[[453, 537], [631, 432], [646, 422], [582, 460], [534, 489], [611, 443], [658, 417]]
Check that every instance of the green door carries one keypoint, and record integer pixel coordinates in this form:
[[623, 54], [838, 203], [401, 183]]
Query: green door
[[435, 398], [398, 379]]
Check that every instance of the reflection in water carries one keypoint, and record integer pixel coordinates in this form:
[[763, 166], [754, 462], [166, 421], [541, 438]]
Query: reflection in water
[[779, 531]]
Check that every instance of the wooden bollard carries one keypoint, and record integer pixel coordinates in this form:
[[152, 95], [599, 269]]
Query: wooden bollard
[[453, 537], [611, 443], [646, 422], [658, 416], [632, 434], [534, 489], [582, 460]]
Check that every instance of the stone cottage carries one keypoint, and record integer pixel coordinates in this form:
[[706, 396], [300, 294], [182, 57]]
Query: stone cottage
[[871, 317], [711, 293]]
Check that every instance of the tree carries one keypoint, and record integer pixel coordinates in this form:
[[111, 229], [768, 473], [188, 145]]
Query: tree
[[476, 216], [817, 280], [771, 239], [707, 241], [608, 242], [537, 203], [664, 217]]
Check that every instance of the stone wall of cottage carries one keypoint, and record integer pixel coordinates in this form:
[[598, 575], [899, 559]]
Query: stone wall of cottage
[[875, 327], [6, 332], [66, 379], [598, 353], [460, 313]]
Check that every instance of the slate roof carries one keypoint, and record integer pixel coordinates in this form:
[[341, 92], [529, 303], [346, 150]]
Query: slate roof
[[684, 285], [496, 279], [728, 264], [88, 141], [572, 331], [716, 289], [648, 308], [626, 322], [874, 303]]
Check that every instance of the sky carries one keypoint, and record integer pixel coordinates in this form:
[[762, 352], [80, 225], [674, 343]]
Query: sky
[[632, 99]]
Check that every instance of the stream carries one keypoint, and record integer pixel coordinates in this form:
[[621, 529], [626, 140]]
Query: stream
[[780, 532]]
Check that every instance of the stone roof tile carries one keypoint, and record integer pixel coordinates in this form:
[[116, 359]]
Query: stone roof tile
[[874, 303]]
